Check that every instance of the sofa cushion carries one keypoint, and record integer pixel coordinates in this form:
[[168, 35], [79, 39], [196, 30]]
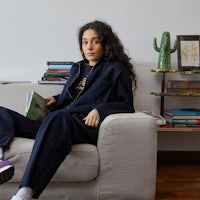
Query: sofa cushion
[[80, 165]]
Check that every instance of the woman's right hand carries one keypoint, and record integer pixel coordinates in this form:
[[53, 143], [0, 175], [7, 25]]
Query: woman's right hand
[[50, 101]]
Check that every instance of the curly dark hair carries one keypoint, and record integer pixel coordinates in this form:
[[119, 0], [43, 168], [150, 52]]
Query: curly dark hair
[[114, 49]]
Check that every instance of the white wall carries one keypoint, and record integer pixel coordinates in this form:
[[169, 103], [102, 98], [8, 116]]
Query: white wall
[[35, 31]]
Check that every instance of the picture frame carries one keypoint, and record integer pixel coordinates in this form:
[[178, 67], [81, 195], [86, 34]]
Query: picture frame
[[188, 52]]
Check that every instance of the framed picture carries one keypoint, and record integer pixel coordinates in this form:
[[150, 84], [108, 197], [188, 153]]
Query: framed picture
[[188, 52]]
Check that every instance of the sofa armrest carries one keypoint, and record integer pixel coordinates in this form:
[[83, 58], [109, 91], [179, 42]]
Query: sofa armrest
[[127, 147]]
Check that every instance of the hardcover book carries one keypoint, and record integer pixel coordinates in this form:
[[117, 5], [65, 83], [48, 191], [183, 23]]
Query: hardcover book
[[183, 112], [183, 84], [54, 67], [36, 108], [183, 121], [180, 86], [60, 62], [52, 82], [59, 65], [61, 74], [182, 117], [57, 70], [186, 125]]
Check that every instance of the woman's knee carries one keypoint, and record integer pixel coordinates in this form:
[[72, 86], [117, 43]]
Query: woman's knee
[[59, 115]]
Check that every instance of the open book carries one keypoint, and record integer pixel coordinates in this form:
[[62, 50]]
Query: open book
[[36, 108]]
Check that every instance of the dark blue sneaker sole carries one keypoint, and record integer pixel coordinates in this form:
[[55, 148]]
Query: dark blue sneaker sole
[[6, 173]]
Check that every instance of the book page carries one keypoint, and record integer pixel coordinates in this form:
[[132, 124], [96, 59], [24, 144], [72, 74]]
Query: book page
[[36, 106], [28, 99]]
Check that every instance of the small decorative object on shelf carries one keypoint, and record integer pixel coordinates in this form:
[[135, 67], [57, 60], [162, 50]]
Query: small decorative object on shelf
[[188, 54], [164, 61]]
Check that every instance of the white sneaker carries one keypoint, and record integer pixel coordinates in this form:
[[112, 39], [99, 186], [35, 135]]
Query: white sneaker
[[17, 198]]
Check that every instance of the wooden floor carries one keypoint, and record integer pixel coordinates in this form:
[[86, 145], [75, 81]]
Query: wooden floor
[[178, 180]]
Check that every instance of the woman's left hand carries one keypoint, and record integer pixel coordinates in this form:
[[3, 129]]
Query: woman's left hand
[[92, 119], [50, 101]]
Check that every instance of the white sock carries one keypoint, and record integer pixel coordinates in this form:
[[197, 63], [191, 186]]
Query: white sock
[[1, 153], [25, 193]]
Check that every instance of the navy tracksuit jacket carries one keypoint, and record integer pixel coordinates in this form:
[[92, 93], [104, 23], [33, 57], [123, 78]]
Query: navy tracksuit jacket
[[108, 89]]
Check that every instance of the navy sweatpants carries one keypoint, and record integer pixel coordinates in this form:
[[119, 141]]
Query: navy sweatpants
[[53, 142]]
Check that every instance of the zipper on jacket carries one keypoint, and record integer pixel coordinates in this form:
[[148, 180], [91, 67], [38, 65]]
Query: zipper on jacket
[[74, 99], [72, 83], [85, 83]]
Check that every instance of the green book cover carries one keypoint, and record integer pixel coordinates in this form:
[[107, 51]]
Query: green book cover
[[36, 108]]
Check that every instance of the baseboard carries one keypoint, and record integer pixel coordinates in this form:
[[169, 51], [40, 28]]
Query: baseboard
[[182, 156]]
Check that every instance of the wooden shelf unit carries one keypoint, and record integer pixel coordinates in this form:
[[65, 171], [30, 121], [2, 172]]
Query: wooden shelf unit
[[162, 103]]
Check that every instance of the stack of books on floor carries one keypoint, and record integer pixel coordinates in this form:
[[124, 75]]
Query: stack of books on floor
[[57, 72], [189, 117]]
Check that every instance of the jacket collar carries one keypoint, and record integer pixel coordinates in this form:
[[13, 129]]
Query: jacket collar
[[103, 59]]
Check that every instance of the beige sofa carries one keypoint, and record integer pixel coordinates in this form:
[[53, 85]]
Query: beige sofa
[[121, 167]]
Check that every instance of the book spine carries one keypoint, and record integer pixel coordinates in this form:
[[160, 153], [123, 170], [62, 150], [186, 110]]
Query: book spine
[[57, 67], [60, 74], [53, 78], [183, 117], [60, 63], [182, 90], [187, 84], [52, 82], [57, 70], [187, 125], [185, 121], [182, 113]]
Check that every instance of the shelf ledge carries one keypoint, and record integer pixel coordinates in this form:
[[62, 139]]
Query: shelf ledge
[[168, 128], [164, 70], [186, 94]]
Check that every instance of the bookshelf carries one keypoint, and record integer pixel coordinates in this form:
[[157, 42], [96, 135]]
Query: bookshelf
[[170, 130], [162, 93]]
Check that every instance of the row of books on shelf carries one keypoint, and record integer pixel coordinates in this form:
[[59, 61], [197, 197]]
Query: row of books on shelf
[[57, 72], [183, 117], [183, 86]]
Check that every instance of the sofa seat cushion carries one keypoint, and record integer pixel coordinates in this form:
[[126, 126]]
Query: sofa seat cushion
[[80, 165]]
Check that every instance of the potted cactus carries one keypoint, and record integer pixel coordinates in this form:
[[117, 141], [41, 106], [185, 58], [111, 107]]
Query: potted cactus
[[164, 60]]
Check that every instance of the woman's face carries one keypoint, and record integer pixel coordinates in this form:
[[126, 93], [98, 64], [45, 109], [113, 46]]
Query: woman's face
[[92, 47]]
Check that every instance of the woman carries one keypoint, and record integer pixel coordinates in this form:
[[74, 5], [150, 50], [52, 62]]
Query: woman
[[99, 85]]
